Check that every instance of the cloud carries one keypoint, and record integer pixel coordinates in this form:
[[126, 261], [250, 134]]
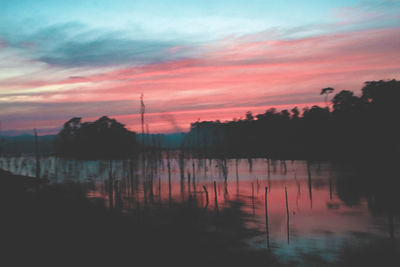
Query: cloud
[[76, 45], [49, 111], [368, 14], [89, 73], [107, 50]]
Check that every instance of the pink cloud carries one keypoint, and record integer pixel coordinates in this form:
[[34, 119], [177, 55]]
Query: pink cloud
[[224, 83]]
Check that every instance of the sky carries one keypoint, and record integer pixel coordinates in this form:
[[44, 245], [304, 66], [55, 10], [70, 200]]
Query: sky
[[192, 60]]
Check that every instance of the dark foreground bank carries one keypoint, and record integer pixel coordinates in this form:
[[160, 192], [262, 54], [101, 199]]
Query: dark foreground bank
[[56, 224], [48, 224]]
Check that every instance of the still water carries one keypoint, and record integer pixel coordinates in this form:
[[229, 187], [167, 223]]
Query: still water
[[329, 206]]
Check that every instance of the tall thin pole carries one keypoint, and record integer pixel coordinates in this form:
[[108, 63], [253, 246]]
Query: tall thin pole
[[169, 178], [309, 183], [205, 190], [110, 186], [215, 196], [287, 215], [237, 178], [1, 142], [252, 198], [37, 154], [330, 186], [266, 218], [142, 111]]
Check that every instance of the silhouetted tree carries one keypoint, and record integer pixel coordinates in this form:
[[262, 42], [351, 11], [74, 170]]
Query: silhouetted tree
[[285, 114], [295, 113], [326, 92], [381, 93], [345, 101], [249, 116], [104, 138]]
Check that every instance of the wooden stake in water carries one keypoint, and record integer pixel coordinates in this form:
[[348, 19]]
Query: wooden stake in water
[[159, 190], [252, 198], [287, 215], [284, 166], [169, 179], [216, 198], [237, 178], [194, 172], [189, 183], [266, 217], [309, 183], [330, 186], [205, 190], [110, 186], [37, 154]]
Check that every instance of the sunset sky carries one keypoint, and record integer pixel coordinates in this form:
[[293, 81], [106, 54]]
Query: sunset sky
[[192, 60]]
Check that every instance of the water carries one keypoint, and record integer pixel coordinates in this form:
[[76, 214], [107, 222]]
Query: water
[[331, 208]]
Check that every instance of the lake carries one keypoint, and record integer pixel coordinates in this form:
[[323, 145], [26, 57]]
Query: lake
[[318, 210]]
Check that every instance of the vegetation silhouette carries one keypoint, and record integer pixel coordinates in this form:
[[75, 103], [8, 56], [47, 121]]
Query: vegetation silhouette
[[354, 128], [103, 138]]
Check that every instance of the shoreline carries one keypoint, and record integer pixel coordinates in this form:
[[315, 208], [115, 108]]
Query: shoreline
[[9, 179]]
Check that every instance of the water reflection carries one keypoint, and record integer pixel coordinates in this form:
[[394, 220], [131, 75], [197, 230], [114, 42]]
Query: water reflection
[[313, 208]]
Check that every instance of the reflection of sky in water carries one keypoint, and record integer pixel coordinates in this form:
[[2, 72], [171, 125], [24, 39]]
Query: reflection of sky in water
[[319, 221]]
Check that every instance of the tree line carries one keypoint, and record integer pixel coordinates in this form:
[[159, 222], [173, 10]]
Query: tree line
[[349, 126]]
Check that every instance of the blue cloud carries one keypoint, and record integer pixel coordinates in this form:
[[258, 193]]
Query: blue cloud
[[107, 50], [75, 45]]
